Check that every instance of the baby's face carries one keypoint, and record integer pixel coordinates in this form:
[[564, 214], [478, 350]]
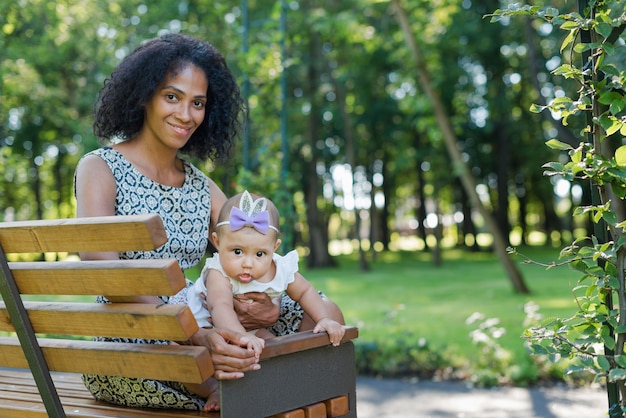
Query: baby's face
[[246, 254]]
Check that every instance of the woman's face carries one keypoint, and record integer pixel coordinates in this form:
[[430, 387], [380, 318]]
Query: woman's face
[[177, 107]]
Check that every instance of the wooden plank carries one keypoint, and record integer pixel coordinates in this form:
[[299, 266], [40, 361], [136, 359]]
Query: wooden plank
[[102, 233], [317, 410], [19, 408], [338, 407], [103, 277], [301, 341], [162, 362], [124, 320], [25, 398]]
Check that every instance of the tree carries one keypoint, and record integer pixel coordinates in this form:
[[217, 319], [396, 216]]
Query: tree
[[467, 180]]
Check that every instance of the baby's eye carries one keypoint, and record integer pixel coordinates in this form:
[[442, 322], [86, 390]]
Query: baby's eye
[[237, 251], [260, 254]]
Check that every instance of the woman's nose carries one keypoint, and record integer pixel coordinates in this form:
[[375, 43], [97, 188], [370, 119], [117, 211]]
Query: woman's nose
[[183, 112]]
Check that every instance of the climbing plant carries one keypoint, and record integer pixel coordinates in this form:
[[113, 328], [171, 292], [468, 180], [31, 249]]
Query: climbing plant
[[593, 56]]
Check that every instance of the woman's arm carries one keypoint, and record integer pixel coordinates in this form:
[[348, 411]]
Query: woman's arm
[[256, 310], [229, 352], [95, 196]]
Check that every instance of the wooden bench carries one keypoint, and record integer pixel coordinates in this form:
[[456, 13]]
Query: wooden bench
[[48, 342]]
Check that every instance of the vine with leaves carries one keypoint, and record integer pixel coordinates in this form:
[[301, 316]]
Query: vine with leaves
[[594, 336]]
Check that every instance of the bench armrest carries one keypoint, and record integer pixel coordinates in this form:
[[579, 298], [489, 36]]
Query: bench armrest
[[300, 341]]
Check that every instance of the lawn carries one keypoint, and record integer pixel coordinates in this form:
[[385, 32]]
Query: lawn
[[403, 293]]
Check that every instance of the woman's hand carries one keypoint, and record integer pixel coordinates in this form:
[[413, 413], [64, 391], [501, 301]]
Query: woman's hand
[[229, 352], [256, 310]]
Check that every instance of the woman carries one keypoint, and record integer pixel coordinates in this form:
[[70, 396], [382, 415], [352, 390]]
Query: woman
[[173, 95]]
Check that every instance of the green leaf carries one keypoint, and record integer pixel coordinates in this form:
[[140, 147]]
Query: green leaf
[[574, 369], [568, 40], [620, 360], [616, 125], [537, 108], [609, 97], [556, 144], [538, 349], [604, 363], [569, 25], [609, 217], [582, 47], [617, 374], [608, 341], [620, 156], [604, 29]]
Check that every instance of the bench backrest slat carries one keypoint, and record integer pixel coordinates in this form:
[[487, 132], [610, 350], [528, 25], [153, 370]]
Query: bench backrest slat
[[105, 233], [124, 320], [111, 278], [153, 361]]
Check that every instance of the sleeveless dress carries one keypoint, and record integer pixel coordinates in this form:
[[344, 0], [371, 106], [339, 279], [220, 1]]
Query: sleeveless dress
[[186, 214]]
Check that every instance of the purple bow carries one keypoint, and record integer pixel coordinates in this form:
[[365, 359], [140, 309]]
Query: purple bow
[[239, 219]]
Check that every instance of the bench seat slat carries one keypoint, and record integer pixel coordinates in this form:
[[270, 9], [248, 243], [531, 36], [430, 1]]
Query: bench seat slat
[[161, 362], [110, 277], [125, 320], [104, 233], [78, 402], [33, 408]]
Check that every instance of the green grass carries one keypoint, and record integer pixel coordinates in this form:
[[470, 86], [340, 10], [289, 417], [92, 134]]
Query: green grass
[[404, 293]]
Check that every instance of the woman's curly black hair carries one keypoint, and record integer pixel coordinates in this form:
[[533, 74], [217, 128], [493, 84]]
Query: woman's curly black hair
[[119, 113]]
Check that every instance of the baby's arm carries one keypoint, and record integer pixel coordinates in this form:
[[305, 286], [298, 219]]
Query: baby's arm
[[219, 300], [303, 292]]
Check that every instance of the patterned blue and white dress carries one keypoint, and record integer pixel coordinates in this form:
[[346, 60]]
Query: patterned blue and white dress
[[186, 214]]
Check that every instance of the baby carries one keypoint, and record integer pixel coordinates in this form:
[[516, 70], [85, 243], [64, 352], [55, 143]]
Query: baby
[[246, 240]]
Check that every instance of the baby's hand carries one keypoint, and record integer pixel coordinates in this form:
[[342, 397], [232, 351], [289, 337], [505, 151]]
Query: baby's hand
[[334, 329], [256, 344]]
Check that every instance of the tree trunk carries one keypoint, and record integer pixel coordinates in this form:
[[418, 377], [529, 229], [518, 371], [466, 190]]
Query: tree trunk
[[348, 134], [420, 214], [318, 225], [459, 166], [502, 170]]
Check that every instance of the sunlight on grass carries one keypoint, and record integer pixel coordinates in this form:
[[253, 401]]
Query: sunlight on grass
[[403, 292]]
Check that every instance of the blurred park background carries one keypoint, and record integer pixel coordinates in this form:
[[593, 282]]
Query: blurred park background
[[395, 136]]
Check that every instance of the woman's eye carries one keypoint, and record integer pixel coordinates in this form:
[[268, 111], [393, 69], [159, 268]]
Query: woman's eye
[[170, 96], [199, 104]]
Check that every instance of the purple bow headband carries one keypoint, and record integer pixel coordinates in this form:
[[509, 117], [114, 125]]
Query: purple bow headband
[[250, 213]]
